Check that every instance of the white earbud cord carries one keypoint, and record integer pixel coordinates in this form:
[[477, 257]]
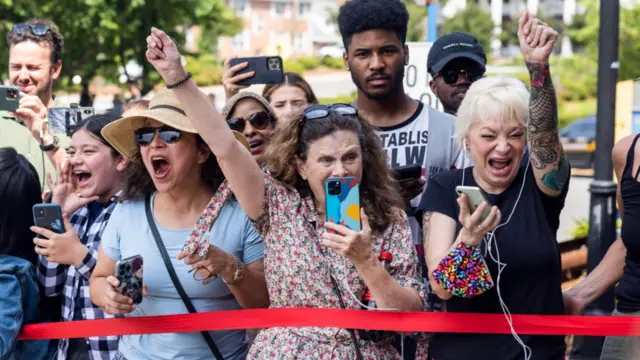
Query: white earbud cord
[[354, 297], [501, 266]]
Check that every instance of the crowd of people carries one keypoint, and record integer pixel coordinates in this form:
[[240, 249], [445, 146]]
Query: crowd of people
[[228, 209]]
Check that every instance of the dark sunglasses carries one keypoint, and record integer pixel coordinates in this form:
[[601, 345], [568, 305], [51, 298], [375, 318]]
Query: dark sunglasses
[[36, 29], [315, 112], [260, 121], [145, 135], [322, 111], [451, 76]]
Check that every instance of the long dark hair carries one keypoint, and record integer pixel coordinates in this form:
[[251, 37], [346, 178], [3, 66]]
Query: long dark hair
[[138, 183], [93, 125], [379, 191], [19, 191]]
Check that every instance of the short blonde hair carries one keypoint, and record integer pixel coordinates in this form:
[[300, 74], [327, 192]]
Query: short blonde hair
[[493, 98]]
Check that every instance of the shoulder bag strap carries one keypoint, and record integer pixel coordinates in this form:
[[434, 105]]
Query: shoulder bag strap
[[351, 332], [174, 278]]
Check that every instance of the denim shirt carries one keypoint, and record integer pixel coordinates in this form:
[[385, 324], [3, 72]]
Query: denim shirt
[[18, 306]]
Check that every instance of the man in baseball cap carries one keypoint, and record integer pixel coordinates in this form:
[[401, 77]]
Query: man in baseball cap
[[455, 61]]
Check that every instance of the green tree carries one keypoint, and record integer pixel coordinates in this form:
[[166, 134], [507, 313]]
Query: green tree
[[473, 20], [103, 35], [629, 45]]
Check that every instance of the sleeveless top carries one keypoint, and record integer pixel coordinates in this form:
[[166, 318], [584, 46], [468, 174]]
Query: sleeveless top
[[628, 289]]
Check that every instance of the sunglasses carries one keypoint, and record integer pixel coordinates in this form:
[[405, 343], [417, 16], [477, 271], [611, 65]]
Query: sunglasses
[[145, 135], [315, 112], [451, 76], [36, 29], [260, 121]]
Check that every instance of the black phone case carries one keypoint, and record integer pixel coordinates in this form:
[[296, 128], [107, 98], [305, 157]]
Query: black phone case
[[408, 172], [268, 69], [48, 216], [9, 98], [129, 274]]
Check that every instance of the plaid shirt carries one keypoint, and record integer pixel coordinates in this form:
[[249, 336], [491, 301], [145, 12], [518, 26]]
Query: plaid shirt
[[73, 282]]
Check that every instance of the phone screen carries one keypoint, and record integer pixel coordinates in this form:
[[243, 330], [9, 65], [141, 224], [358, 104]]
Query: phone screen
[[63, 120]]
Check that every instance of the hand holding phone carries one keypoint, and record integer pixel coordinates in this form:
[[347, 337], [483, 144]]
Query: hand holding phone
[[129, 274], [476, 214], [265, 69]]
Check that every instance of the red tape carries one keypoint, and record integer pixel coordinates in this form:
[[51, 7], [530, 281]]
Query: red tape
[[348, 319]]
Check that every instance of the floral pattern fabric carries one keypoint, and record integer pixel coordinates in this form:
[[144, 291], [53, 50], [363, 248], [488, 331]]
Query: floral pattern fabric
[[298, 269]]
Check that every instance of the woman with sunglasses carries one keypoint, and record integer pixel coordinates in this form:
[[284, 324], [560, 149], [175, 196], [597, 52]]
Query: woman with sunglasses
[[250, 114], [171, 178], [310, 262]]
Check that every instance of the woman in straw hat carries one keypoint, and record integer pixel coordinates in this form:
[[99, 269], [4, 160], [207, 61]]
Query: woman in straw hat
[[172, 177], [305, 264]]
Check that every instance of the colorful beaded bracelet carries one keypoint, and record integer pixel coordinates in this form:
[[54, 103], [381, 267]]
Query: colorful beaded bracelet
[[464, 272]]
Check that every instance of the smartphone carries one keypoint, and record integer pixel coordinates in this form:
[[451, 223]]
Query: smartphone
[[342, 197], [9, 98], [48, 216], [268, 69], [408, 172], [63, 120], [475, 198], [129, 274]]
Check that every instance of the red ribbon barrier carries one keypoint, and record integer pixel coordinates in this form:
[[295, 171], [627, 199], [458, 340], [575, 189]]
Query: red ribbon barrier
[[349, 319]]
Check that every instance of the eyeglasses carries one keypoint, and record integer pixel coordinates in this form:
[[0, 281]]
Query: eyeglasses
[[145, 135], [260, 120], [36, 29], [451, 76]]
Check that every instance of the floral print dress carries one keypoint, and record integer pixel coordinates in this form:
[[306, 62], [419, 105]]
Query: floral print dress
[[298, 269]]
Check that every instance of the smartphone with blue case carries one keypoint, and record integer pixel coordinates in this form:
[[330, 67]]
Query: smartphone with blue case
[[48, 216], [342, 197]]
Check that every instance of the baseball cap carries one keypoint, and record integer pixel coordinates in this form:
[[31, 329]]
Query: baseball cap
[[453, 46]]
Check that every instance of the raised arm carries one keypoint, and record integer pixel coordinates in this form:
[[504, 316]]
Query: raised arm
[[237, 164], [550, 165]]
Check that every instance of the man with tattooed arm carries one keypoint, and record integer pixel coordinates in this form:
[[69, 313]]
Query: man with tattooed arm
[[514, 242]]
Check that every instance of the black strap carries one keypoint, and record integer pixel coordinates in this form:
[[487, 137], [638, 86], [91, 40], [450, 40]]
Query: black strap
[[174, 277], [351, 332]]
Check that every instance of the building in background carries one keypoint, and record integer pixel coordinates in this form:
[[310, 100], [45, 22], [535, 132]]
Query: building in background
[[289, 28], [508, 10]]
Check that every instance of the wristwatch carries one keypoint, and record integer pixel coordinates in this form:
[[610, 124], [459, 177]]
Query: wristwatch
[[53, 146], [237, 276]]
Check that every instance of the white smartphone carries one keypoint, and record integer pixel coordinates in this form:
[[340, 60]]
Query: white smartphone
[[475, 198]]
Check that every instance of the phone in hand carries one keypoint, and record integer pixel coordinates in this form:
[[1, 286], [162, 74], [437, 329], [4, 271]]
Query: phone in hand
[[475, 198], [129, 274], [48, 216], [342, 198], [9, 98], [63, 120], [268, 69], [408, 172]]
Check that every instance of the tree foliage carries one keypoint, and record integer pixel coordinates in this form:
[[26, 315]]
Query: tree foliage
[[629, 45], [473, 20], [103, 35]]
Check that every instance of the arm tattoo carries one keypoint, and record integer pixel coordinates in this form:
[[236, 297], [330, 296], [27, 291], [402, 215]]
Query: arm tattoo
[[426, 219], [544, 142]]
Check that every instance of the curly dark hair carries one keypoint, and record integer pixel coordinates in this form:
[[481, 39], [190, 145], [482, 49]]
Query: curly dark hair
[[138, 183], [53, 38], [379, 190], [361, 15]]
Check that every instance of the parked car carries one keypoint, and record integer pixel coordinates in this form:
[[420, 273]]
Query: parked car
[[579, 142], [331, 51]]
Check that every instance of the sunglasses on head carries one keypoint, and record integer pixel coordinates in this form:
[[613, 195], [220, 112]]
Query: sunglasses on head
[[260, 121], [145, 135], [36, 29], [315, 112], [451, 76]]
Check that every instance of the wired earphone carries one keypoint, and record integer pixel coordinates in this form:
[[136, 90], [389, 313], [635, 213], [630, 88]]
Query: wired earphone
[[490, 241]]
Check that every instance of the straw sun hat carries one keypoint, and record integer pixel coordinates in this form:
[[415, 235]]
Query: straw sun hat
[[163, 107]]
